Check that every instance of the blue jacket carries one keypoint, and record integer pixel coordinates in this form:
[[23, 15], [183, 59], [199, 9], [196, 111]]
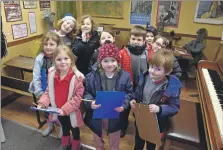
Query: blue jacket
[[167, 98], [93, 84]]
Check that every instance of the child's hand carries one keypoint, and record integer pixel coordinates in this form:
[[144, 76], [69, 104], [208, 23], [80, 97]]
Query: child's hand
[[94, 106], [39, 107], [61, 113], [133, 103], [119, 109], [154, 108], [84, 37]]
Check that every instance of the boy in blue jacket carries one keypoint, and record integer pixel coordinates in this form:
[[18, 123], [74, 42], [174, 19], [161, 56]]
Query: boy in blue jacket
[[160, 91]]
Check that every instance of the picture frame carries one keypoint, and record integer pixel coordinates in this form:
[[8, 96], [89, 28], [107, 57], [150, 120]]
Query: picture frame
[[44, 5], [19, 30], [11, 2], [103, 9], [13, 13], [168, 13], [32, 22], [209, 12], [29, 4]]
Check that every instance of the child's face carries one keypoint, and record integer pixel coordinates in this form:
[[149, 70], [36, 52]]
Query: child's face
[[109, 64], [86, 26], [49, 47], [105, 36], [158, 44], [67, 26], [149, 37], [136, 40], [156, 73], [63, 62]]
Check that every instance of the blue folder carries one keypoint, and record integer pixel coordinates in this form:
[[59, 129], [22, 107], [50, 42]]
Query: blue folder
[[109, 100]]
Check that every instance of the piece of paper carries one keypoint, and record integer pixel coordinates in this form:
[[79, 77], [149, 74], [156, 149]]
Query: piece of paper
[[49, 109], [109, 100], [19, 30], [147, 124], [32, 22]]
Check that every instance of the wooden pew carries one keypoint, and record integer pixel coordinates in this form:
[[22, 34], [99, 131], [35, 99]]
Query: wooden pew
[[20, 87]]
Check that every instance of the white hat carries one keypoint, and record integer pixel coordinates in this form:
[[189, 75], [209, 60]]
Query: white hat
[[68, 16]]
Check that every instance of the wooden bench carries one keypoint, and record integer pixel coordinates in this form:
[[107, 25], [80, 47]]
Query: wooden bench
[[20, 87]]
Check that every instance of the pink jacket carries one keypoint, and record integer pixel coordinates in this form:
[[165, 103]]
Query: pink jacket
[[71, 107]]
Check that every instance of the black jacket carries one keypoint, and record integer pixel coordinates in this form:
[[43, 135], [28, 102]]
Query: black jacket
[[84, 51]]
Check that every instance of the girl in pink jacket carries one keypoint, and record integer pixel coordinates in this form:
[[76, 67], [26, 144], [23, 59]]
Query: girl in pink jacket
[[64, 92]]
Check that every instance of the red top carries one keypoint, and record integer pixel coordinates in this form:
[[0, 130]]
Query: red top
[[62, 88], [150, 52]]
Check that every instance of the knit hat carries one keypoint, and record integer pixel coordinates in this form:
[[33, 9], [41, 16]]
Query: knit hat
[[150, 28], [108, 50], [68, 16]]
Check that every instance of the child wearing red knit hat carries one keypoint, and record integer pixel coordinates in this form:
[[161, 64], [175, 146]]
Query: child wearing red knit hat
[[108, 76]]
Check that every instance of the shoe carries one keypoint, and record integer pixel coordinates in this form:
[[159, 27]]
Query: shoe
[[65, 143], [123, 132], [76, 145], [49, 129], [60, 134]]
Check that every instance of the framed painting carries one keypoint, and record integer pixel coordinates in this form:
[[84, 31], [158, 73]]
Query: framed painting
[[29, 4], [11, 2], [44, 5], [103, 9], [210, 12], [13, 13], [19, 31], [168, 13]]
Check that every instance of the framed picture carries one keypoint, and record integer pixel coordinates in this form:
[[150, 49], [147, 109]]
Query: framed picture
[[19, 31], [44, 5], [168, 13], [13, 13], [210, 12], [141, 12], [29, 4], [11, 2], [103, 9], [32, 22]]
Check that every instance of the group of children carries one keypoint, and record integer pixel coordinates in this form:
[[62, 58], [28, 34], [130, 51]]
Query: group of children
[[63, 76]]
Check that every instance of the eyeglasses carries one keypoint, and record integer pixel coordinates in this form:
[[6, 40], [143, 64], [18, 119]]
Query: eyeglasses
[[160, 45]]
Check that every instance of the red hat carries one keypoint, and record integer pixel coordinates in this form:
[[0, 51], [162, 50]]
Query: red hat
[[108, 50]]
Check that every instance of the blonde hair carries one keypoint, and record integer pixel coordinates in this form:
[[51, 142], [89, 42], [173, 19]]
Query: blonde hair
[[50, 35], [69, 53], [80, 21], [138, 31], [72, 33], [165, 40], [163, 58]]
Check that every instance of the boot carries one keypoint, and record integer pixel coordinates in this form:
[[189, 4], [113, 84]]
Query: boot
[[49, 129], [65, 143], [60, 134], [76, 145]]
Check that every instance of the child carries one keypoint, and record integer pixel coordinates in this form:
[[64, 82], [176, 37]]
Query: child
[[107, 77], [86, 42], [159, 91], [162, 42], [65, 90], [134, 58], [151, 32], [107, 36], [66, 27], [43, 62]]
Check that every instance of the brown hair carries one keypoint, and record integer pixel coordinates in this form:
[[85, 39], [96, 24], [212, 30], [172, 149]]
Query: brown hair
[[72, 33], [165, 40], [68, 51], [50, 35], [80, 21], [138, 31], [163, 58], [109, 31]]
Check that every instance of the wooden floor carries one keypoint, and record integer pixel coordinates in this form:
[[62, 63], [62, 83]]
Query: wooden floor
[[19, 111]]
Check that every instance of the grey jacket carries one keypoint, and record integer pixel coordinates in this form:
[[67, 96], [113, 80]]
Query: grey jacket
[[35, 86]]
